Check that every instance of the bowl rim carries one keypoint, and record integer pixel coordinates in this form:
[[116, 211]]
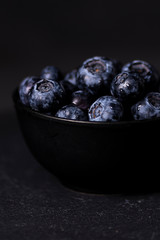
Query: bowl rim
[[16, 100]]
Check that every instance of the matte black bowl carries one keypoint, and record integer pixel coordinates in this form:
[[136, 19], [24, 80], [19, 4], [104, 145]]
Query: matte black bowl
[[94, 156]]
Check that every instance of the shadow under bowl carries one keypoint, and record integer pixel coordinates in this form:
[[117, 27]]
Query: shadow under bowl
[[94, 156]]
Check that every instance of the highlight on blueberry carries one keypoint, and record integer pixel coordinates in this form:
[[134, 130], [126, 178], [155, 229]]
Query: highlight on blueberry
[[106, 109], [71, 112], [25, 87], [51, 72], [127, 87], [46, 96], [96, 74], [82, 99], [147, 108]]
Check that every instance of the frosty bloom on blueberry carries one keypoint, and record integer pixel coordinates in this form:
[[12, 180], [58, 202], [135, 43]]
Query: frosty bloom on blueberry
[[96, 74], [51, 72], [106, 109], [46, 96], [25, 88], [71, 112], [100, 89], [146, 71], [147, 108]]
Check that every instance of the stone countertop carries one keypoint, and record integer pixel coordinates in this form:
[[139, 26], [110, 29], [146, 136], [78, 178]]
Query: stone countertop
[[35, 205]]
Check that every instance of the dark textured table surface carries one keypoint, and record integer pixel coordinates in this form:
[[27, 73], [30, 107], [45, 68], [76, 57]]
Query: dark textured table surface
[[35, 205]]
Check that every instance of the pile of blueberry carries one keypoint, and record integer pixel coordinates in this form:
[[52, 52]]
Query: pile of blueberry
[[100, 89]]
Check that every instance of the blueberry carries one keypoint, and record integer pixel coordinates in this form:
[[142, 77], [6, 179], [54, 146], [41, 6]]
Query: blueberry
[[46, 96], [107, 109], [71, 77], [52, 73], [96, 74], [69, 88], [148, 107], [146, 71], [71, 112], [127, 87], [82, 99], [25, 88], [70, 81]]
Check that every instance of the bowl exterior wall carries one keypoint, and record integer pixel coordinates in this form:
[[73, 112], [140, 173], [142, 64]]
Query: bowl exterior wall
[[93, 154]]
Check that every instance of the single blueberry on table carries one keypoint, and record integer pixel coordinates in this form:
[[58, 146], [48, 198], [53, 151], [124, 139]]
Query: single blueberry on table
[[127, 87], [82, 99], [52, 73], [146, 71], [96, 74], [71, 112], [25, 87], [46, 96], [147, 108], [106, 109]]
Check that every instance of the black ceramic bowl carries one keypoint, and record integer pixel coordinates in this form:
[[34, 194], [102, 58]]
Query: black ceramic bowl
[[94, 156]]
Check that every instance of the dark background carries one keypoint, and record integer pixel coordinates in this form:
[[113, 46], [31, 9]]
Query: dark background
[[64, 33]]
